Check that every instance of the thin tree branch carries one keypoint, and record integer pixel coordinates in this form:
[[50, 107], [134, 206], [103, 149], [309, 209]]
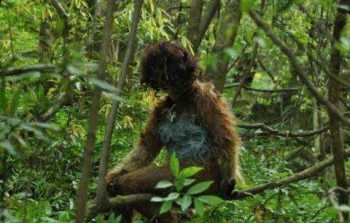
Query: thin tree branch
[[93, 119], [24, 70], [67, 93], [115, 203], [269, 91], [54, 109], [284, 133], [101, 184], [282, 90], [321, 64], [297, 69], [248, 74], [269, 73], [302, 175], [225, 36], [195, 16], [205, 22]]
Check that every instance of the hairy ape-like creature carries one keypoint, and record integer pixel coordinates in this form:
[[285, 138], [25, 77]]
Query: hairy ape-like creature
[[192, 121]]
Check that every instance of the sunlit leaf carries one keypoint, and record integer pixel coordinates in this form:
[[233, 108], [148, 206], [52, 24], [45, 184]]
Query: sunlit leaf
[[164, 184], [172, 196], [199, 187], [174, 165], [157, 199], [189, 182], [166, 206], [199, 206], [189, 171], [184, 202], [180, 183], [210, 199]]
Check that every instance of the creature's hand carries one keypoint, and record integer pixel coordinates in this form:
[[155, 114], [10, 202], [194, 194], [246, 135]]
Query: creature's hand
[[227, 186], [114, 174], [112, 180]]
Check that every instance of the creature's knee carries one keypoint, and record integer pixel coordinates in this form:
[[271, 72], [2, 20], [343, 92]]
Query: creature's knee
[[114, 187], [121, 185]]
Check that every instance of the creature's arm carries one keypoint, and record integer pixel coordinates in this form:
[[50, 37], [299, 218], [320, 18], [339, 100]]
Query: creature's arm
[[220, 123], [147, 149]]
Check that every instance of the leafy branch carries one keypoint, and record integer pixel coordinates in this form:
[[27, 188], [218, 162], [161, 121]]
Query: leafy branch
[[298, 70]]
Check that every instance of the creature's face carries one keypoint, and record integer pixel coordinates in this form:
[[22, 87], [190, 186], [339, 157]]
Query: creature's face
[[161, 71], [167, 67], [157, 76]]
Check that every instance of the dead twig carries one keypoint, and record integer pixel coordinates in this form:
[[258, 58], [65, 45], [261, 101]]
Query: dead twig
[[273, 131]]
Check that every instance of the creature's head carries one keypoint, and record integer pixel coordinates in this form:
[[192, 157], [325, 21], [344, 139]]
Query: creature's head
[[167, 66]]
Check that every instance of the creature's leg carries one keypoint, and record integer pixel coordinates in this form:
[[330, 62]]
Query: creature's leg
[[143, 181]]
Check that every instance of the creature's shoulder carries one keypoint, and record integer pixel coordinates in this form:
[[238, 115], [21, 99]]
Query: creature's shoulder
[[211, 106], [206, 96]]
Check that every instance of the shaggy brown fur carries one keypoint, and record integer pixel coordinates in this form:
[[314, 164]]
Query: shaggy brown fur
[[164, 66]]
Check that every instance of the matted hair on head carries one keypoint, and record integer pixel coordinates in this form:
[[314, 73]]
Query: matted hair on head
[[167, 65]]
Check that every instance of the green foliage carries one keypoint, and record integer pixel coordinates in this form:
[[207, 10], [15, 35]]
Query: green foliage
[[174, 165], [246, 5], [186, 192]]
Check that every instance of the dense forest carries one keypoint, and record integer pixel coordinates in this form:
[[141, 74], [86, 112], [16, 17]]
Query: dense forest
[[72, 106]]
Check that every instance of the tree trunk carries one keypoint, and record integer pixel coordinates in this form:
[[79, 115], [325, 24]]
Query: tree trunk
[[225, 37], [93, 119], [205, 22], [101, 198], [194, 20], [335, 91]]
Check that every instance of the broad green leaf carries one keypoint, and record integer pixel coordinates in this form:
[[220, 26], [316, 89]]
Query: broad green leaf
[[190, 171], [174, 165], [166, 206], [199, 206], [189, 181], [172, 196], [199, 187], [157, 199], [185, 202], [210, 199], [180, 183], [164, 184]]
